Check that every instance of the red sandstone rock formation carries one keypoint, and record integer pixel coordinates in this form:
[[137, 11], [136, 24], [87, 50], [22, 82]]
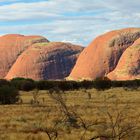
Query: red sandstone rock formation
[[128, 67], [11, 46], [52, 60], [103, 54], [115, 54]]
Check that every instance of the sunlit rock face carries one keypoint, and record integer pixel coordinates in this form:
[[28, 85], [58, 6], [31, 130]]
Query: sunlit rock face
[[128, 67], [11, 46], [47, 60], [103, 54]]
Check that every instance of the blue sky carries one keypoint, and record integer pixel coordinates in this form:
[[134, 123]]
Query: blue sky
[[76, 21]]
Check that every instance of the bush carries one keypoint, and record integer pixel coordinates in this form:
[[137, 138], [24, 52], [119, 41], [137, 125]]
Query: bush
[[23, 84], [40, 85], [62, 85], [4, 82], [117, 83], [8, 95], [16, 82], [102, 84], [87, 84], [46, 85], [131, 84], [27, 85], [65, 85]]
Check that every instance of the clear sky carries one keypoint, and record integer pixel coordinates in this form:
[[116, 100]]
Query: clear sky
[[76, 21]]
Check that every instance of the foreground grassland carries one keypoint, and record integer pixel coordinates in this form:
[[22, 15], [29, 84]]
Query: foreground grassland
[[112, 114]]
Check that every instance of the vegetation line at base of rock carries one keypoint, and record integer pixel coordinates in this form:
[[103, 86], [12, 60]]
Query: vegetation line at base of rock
[[99, 84]]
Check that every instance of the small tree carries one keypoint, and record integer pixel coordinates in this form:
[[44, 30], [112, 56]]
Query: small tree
[[8, 95], [35, 94], [70, 117]]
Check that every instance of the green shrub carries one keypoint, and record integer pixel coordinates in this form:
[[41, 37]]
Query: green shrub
[[23, 84], [65, 85], [46, 85], [8, 95], [16, 82], [27, 85], [99, 84]]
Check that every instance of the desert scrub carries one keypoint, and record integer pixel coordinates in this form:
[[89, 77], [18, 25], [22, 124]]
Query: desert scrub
[[37, 40], [126, 38], [8, 95], [21, 119], [41, 44]]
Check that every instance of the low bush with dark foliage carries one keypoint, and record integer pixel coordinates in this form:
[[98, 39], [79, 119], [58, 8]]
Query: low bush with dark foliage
[[8, 94], [45, 85], [99, 84], [4, 82], [23, 84], [102, 84], [27, 85], [131, 85]]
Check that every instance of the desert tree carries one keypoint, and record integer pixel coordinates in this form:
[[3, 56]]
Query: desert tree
[[69, 115], [35, 95], [120, 124]]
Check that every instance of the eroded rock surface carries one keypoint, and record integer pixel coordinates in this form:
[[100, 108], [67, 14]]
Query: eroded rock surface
[[103, 54], [128, 67], [52, 60], [11, 46]]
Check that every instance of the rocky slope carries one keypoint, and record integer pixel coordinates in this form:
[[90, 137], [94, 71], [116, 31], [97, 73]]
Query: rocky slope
[[11, 46], [104, 53], [53, 60], [115, 54], [128, 67]]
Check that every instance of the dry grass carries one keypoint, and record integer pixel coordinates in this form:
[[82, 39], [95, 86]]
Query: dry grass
[[33, 122]]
